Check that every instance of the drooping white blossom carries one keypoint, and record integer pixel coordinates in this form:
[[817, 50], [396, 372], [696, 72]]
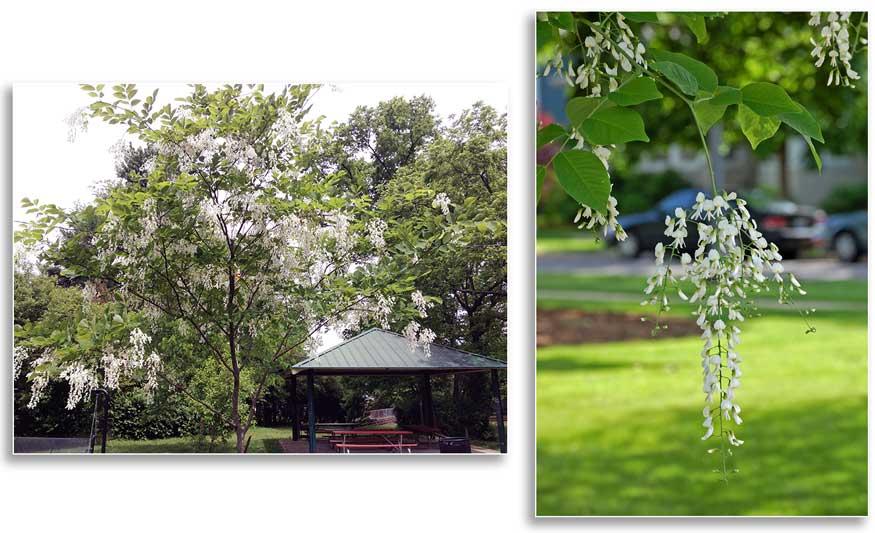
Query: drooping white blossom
[[418, 336], [77, 122], [20, 354], [832, 46], [376, 228], [610, 50], [732, 261], [81, 380], [442, 201], [600, 223]]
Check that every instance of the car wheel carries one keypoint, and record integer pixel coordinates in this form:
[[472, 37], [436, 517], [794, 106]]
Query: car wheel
[[631, 247], [846, 247]]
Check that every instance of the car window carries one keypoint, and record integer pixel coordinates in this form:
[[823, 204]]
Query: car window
[[683, 198]]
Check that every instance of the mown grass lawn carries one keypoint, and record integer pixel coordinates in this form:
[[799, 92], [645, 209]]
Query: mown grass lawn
[[264, 440], [619, 425], [838, 291], [567, 241]]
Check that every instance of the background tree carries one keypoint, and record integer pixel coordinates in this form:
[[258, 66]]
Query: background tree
[[465, 163], [367, 150]]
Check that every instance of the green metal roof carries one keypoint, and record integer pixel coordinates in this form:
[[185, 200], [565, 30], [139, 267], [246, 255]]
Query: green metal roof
[[377, 351]]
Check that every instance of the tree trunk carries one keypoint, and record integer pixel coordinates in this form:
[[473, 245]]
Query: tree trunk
[[235, 411], [784, 175]]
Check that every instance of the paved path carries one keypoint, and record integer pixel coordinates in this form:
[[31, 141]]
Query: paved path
[[609, 263]]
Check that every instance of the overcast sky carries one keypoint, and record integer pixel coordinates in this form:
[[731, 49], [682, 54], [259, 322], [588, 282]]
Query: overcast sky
[[48, 167]]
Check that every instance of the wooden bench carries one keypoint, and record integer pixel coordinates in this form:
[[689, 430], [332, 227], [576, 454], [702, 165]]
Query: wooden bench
[[375, 446]]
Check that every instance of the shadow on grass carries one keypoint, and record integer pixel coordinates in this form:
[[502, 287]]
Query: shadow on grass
[[810, 460], [272, 446], [560, 363]]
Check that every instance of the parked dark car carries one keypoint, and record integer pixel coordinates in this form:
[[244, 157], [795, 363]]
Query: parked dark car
[[792, 227], [847, 235]]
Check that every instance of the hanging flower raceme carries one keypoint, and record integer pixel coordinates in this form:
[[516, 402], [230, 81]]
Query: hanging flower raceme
[[833, 46], [731, 262], [607, 54], [599, 223], [442, 201], [419, 336], [117, 362]]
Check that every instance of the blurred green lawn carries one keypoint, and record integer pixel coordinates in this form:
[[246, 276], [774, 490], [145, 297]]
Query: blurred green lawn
[[567, 241], [619, 423]]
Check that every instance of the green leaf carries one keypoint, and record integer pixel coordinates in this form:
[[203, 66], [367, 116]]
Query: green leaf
[[725, 95], [636, 91], [678, 75], [584, 178], [579, 109], [696, 23], [563, 19], [614, 125], [705, 77], [550, 133], [767, 99], [814, 154], [545, 33], [756, 127], [708, 113], [541, 174], [803, 122], [641, 16]]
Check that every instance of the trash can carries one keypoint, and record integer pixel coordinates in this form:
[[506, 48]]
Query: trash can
[[455, 445]]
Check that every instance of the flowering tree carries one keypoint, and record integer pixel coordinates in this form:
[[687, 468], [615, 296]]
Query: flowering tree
[[227, 244], [604, 55]]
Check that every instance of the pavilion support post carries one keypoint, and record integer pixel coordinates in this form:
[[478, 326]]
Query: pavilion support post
[[104, 433], [499, 412], [427, 402], [293, 406], [311, 414]]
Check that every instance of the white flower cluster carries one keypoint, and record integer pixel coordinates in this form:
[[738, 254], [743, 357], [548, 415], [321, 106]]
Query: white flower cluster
[[590, 219], [338, 230], [420, 303], [607, 52], [833, 42], [376, 228], [732, 261], [126, 362], [199, 149], [383, 310], [594, 219], [442, 201], [38, 384], [77, 122], [81, 380], [419, 336], [19, 356], [39, 379]]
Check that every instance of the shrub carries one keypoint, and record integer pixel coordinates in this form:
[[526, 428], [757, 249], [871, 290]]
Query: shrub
[[133, 417], [847, 198]]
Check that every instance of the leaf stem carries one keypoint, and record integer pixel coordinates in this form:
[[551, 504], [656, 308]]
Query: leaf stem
[[707, 150]]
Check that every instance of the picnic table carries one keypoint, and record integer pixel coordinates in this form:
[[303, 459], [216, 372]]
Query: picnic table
[[346, 440]]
